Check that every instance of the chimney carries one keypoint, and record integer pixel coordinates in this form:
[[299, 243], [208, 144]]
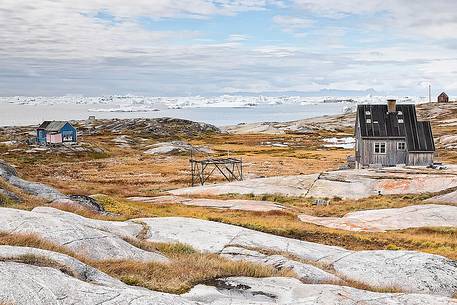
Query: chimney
[[391, 106]]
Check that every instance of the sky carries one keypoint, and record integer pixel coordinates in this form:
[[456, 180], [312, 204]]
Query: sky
[[215, 47]]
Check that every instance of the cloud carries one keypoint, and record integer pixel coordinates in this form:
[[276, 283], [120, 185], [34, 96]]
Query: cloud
[[101, 47], [292, 24], [432, 19]]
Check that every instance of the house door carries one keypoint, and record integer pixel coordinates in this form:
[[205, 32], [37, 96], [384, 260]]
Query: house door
[[401, 152]]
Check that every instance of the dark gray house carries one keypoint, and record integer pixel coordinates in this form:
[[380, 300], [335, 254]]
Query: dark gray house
[[443, 98], [390, 135]]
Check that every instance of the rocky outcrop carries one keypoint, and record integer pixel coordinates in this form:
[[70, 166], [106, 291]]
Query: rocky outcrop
[[409, 271], [9, 173], [176, 147], [430, 215], [289, 186], [6, 170], [157, 128], [306, 273], [24, 284], [235, 204], [93, 238], [350, 184], [415, 272], [306, 126], [87, 202], [71, 265], [6, 195], [449, 198], [282, 291], [46, 192]]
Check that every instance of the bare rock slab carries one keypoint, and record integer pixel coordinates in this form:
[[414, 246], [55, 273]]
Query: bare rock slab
[[23, 284], [80, 270], [176, 147], [350, 184], [266, 291], [307, 273], [289, 186], [408, 270], [437, 275], [430, 215], [449, 198], [214, 237], [76, 233], [235, 204]]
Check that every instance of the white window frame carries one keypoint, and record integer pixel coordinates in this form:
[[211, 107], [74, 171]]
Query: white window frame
[[402, 144], [368, 121], [401, 121], [380, 145]]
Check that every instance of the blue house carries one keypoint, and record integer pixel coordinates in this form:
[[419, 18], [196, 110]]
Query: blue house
[[56, 132]]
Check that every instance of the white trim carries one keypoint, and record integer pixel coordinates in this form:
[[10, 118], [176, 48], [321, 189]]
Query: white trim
[[380, 150]]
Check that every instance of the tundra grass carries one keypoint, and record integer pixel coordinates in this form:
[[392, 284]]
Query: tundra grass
[[187, 267], [441, 241]]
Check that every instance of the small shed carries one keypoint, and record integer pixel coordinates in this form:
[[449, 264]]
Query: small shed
[[56, 132], [443, 98]]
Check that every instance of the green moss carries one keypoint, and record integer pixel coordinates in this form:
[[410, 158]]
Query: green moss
[[6, 201]]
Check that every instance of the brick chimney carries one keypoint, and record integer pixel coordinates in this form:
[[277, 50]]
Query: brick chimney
[[391, 106]]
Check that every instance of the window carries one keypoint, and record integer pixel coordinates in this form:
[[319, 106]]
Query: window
[[380, 147], [367, 112], [368, 121], [400, 113], [401, 121], [401, 146], [375, 122]]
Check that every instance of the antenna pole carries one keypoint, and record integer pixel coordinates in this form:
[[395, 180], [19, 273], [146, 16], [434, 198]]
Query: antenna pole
[[429, 93]]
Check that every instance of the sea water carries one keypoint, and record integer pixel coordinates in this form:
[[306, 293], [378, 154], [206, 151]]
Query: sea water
[[22, 115]]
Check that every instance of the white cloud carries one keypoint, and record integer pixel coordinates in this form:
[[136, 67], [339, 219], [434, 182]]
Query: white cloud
[[432, 19], [58, 47], [291, 23]]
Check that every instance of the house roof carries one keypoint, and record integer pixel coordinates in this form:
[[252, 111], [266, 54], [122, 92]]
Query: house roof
[[443, 94], [52, 125], [376, 122]]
